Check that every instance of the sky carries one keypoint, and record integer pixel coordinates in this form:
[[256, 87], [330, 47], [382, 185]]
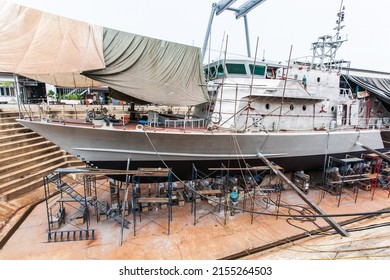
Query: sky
[[277, 25]]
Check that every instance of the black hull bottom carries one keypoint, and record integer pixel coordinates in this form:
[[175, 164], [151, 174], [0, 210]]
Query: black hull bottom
[[183, 170]]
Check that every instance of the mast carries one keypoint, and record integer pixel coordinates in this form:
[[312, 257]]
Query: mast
[[324, 50]]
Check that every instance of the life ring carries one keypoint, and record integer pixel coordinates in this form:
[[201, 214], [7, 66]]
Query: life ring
[[139, 127], [216, 118]]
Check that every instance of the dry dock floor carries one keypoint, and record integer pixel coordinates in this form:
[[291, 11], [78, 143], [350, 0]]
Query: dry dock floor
[[211, 238]]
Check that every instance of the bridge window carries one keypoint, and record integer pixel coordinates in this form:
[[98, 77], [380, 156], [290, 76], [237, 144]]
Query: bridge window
[[259, 69], [212, 72], [235, 68]]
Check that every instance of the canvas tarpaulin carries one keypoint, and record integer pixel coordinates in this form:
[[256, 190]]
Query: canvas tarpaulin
[[70, 53], [47, 47], [153, 70], [380, 87]]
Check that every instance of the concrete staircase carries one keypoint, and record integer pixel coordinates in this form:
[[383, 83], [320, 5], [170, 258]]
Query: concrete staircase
[[25, 158]]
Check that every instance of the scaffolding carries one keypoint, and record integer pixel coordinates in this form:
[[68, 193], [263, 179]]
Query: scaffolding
[[60, 227], [345, 174], [83, 192], [147, 189], [231, 190], [200, 188], [378, 172]]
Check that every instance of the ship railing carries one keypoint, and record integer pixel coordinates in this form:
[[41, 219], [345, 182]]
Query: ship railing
[[196, 122], [25, 112], [361, 124]]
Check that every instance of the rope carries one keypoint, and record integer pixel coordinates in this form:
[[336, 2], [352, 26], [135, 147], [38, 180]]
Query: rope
[[379, 212]]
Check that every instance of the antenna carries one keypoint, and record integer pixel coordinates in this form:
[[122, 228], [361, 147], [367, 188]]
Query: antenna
[[324, 50]]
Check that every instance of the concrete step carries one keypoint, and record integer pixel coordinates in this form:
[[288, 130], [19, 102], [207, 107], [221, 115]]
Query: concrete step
[[11, 131], [27, 162], [7, 119], [24, 151], [10, 125], [4, 115], [32, 154], [25, 175], [21, 143], [29, 184], [75, 163], [18, 136]]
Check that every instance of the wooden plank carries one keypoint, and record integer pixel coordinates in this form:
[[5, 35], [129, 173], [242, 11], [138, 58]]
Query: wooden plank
[[153, 200], [209, 192]]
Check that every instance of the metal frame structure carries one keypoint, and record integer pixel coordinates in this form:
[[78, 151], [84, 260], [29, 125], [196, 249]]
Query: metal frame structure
[[242, 11], [261, 171], [196, 194], [226, 190], [378, 172], [85, 199], [54, 233], [344, 164], [150, 175]]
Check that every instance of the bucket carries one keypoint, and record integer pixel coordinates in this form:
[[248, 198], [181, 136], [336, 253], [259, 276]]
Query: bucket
[[234, 196]]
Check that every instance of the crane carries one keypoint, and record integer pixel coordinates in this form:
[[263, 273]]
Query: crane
[[241, 11]]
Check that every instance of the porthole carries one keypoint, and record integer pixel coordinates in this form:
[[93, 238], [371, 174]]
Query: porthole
[[291, 107], [318, 79], [304, 107], [267, 106], [332, 108]]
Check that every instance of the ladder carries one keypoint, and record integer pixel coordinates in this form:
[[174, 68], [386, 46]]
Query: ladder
[[64, 187]]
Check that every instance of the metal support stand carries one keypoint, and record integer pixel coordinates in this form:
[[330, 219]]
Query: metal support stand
[[148, 175], [199, 194], [69, 194], [55, 210]]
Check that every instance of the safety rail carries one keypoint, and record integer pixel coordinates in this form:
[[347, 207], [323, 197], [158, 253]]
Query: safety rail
[[185, 123]]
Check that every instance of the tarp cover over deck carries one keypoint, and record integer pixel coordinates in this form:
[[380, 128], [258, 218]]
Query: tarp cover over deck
[[74, 54], [380, 87]]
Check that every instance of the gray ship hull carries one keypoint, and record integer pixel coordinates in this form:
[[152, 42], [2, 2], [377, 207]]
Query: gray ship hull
[[111, 147]]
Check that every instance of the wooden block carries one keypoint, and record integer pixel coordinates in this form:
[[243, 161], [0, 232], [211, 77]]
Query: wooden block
[[145, 207], [103, 216], [55, 225], [80, 220], [80, 215]]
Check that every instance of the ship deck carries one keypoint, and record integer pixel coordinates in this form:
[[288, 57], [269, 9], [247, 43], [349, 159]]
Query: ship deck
[[191, 126]]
